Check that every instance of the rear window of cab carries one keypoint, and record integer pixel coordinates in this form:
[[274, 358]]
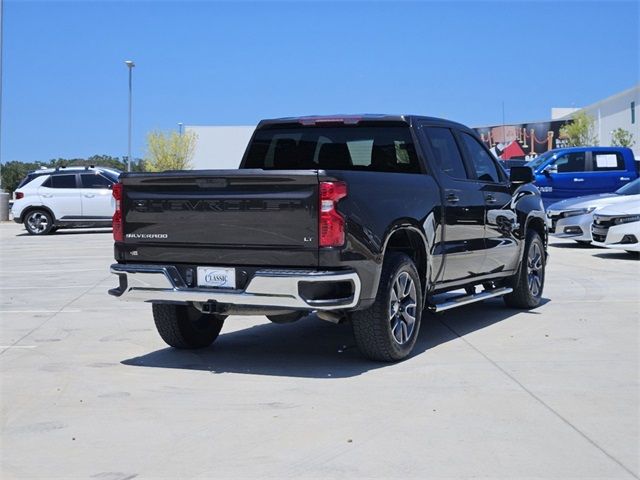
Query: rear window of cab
[[375, 149]]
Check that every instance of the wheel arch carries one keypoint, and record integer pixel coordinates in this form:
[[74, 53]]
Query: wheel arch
[[409, 239], [537, 224], [31, 208]]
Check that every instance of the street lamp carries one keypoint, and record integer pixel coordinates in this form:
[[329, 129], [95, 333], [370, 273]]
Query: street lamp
[[130, 66]]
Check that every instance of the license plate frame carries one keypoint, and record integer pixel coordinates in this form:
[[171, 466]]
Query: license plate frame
[[217, 277]]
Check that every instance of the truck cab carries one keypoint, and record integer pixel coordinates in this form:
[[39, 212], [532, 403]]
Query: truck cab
[[571, 172]]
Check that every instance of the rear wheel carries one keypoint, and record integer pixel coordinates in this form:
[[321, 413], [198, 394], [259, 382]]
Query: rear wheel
[[38, 222], [387, 331], [182, 326], [529, 283]]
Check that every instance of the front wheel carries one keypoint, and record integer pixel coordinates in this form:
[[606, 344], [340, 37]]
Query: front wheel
[[387, 331], [529, 282], [182, 326]]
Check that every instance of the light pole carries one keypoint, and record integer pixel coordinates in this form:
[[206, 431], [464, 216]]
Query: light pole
[[130, 66], [1, 46], [180, 125]]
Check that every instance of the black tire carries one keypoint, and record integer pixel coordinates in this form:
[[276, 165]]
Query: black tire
[[182, 326], [528, 284], [38, 222], [382, 331]]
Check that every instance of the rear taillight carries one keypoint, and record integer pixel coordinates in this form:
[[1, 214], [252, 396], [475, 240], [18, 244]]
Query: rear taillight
[[19, 195], [331, 222], [118, 220]]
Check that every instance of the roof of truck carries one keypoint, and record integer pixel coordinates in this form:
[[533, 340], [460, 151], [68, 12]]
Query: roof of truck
[[354, 119]]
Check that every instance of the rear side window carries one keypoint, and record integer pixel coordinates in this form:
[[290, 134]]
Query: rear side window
[[486, 168], [61, 181], [29, 178], [91, 180], [375, 149], [572, 162], [605, 161], [447, 154]]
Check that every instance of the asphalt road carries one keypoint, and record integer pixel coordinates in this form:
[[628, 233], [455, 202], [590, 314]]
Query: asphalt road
[[89, 390]]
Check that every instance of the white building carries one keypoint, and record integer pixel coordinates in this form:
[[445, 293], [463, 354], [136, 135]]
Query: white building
[[219, 147], [617, 111]]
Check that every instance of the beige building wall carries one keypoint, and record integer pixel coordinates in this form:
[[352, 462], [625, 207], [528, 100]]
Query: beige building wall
[[617, 111], [219, 147]]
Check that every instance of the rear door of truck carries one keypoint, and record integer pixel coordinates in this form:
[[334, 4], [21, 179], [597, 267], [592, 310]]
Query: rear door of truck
[[221, 217]]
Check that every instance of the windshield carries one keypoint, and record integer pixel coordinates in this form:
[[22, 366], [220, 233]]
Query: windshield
[[632, 188], [370, 148], [536, 162]]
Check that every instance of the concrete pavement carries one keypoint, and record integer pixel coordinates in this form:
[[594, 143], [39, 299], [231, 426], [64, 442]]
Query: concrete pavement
[[89, 390]]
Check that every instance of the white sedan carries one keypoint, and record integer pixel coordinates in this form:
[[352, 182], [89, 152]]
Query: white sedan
[[617, 226], [572, 218]]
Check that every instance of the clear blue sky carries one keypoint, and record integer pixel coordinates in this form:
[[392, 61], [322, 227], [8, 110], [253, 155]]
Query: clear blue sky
[[230, 63]]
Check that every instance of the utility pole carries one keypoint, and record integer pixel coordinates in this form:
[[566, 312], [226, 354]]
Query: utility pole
[[130, 66], [1, 48], [504, 127]]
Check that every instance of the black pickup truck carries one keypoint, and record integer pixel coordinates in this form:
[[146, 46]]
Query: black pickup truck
[[366, 219]]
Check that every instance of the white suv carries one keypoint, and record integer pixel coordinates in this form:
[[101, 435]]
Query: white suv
[[69, 197]]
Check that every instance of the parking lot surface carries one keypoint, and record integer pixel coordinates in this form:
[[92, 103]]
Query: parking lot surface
[[89, 390]]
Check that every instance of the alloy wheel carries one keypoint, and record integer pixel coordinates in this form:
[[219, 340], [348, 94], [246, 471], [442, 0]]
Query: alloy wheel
[[402, 308], [38, 222], [535, 269]]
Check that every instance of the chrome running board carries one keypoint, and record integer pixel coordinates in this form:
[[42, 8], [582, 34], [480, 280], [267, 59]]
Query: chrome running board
[[467, 299]]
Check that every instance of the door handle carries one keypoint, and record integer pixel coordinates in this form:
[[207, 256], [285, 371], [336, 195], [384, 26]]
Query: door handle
[[89, 195], [452, 198], [625, 179], [490, 199], [47, 195], [578, 179]]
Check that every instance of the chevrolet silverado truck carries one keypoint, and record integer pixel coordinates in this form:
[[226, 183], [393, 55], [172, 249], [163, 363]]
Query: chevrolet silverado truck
[[371, 219]]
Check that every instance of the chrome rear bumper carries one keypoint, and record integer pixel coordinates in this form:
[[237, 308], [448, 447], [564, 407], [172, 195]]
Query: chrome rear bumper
[[267, 288]]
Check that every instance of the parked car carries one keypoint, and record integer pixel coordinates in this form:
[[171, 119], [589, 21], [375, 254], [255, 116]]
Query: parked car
[[362, 218], [572, 218], [617, 226], [572, 172], [71, 197]]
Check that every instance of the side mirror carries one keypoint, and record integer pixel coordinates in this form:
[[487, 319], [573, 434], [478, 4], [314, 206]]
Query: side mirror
[[521, 175], [548, 170]]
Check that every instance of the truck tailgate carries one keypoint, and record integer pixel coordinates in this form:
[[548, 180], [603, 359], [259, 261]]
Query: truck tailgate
[[224, 217]]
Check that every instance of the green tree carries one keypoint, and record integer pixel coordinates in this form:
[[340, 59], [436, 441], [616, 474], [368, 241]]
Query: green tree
[[13, 172], [622, 138], [580, 132], [169, 151]]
